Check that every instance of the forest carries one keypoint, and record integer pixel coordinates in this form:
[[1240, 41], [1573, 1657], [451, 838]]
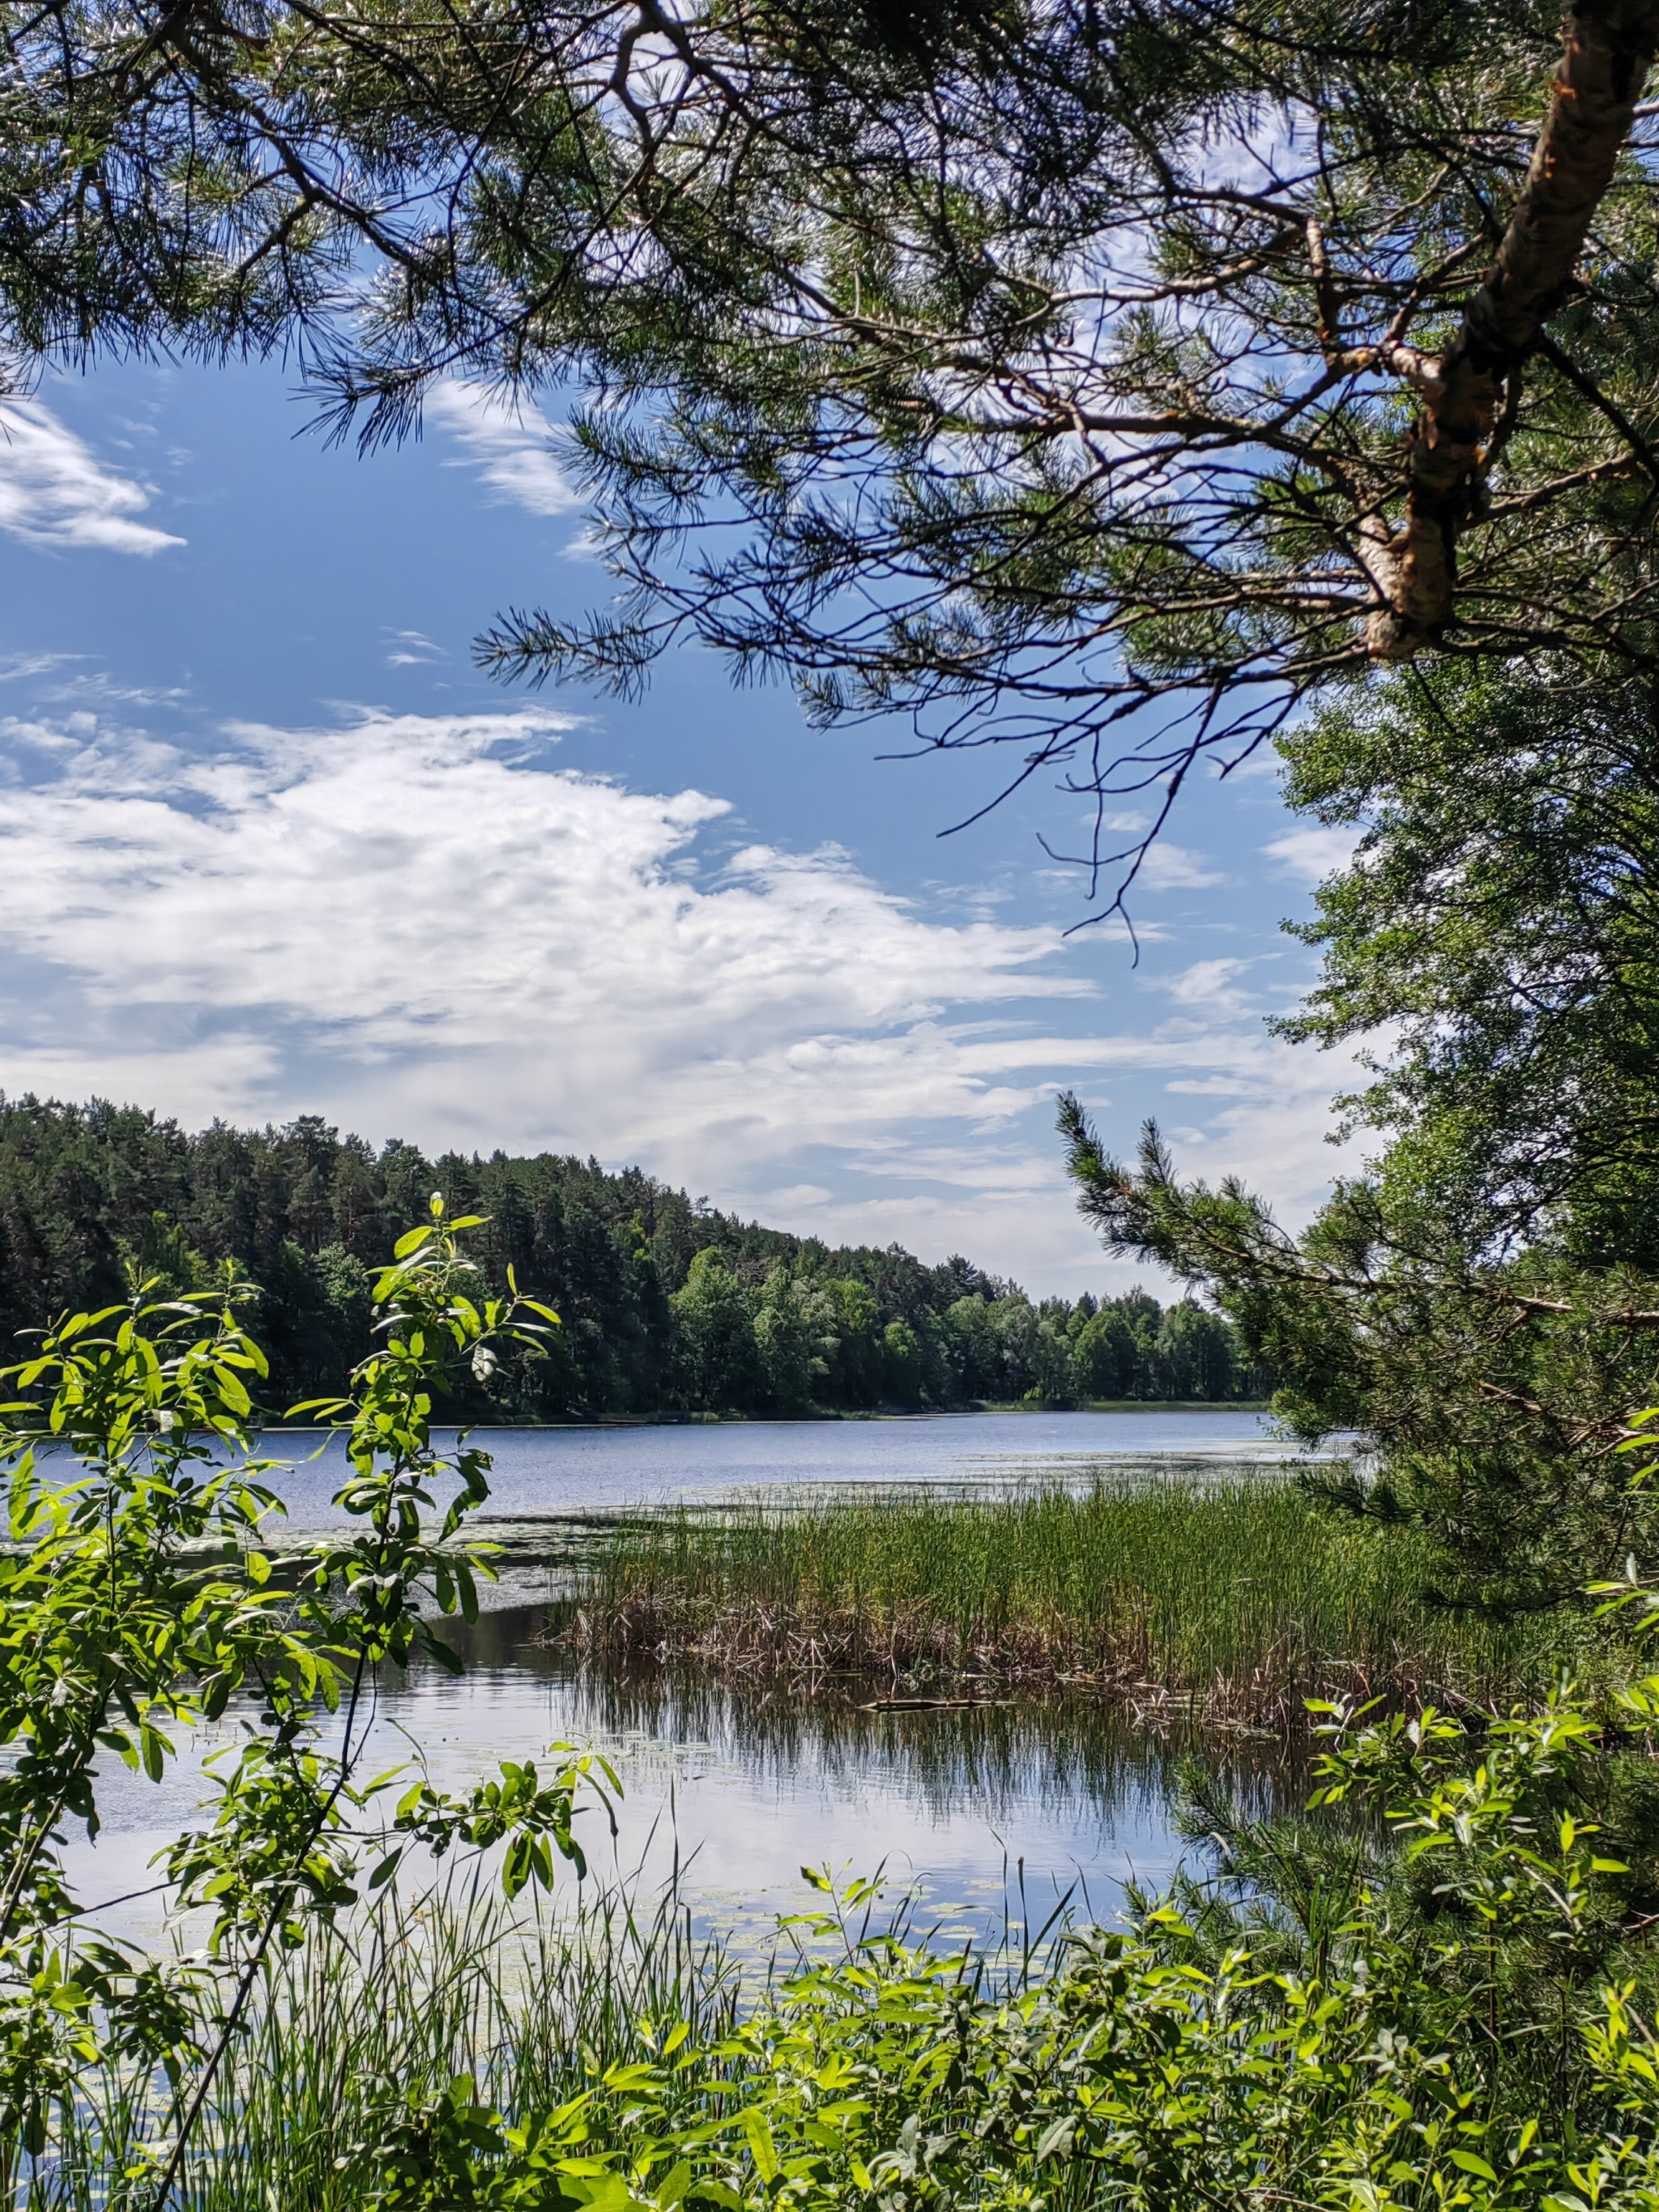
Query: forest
[[665, 1306]]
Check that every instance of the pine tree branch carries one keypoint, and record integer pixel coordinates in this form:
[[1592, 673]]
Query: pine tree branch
[[1606, 52]]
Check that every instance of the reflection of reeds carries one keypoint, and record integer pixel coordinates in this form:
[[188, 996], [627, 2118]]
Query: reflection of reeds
[[1043, 1749], [1234, 1599]]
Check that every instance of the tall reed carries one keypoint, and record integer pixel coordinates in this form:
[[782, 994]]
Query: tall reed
[[533, 2007], [1244, 1592], [403, 1998]]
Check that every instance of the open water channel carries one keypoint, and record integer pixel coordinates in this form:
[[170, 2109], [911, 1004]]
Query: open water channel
[[989, 1813]]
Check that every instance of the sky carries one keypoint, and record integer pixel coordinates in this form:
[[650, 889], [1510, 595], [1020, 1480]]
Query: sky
[[273, 847]]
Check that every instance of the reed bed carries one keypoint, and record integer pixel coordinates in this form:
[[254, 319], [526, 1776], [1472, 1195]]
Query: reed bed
[[402, 1999], [1237, 1598]]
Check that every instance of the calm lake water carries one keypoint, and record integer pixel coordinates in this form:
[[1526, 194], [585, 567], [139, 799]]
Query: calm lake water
[[548, 1484], [608, 1469], [744, 1786]]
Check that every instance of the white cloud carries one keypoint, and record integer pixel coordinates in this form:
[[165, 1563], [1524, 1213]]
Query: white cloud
[[21, 667], [509, 443], [1308, 856], [1273, 1133], [1001, 1196], [1172, 868], [1209, 985], [505, 949], [412, 648], [54, 490], [422, 925]]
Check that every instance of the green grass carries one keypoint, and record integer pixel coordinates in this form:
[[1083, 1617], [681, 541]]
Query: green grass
[[405, 1997], [1244, 1593], [406, 1994]]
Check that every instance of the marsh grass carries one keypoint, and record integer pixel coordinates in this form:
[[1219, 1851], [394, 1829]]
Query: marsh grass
[[402, 1999], [1240, 1597], [408, 1994]]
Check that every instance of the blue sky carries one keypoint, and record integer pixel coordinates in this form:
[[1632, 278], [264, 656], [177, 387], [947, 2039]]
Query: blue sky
[[273, 847]]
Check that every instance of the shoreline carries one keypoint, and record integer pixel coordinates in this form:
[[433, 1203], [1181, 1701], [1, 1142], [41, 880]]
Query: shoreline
[[827, 1417]]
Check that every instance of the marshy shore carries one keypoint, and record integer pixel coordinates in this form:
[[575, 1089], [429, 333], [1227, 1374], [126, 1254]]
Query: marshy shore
[[1237, 1596]]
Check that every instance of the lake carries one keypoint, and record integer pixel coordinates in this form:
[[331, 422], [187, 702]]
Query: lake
[[548, 1485], [743, 1785]]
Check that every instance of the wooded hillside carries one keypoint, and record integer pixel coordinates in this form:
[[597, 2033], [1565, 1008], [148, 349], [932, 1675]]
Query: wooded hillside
[[666, 1303]]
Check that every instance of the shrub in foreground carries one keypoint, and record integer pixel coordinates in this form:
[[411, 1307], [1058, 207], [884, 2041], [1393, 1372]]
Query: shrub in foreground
[[1356, 2060], [1443, 2013]]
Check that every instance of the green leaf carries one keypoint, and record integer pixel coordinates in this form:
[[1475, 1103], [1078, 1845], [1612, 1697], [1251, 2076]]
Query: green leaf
[[675, 2184], [761, 2148], [1471, 2163], [1056, 2138]]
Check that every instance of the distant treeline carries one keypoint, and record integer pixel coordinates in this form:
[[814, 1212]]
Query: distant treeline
[[666, 1303]]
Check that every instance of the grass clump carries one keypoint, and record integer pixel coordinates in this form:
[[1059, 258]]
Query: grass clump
[[391, 2007], [1244, 1594]]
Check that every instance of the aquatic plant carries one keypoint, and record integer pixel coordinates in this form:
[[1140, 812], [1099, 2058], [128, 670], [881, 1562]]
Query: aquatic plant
[[1241, 1597], [409, 1992]]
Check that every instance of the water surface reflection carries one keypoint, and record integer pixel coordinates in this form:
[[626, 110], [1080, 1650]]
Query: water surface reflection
[[748, 1781], [735, 1786]]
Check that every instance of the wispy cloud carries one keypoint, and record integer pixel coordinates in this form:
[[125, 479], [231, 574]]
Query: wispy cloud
[[412, 648], [1210, 986], [509, 443], [1308, 856], [1170, 867], [23, 667], [54, 490]]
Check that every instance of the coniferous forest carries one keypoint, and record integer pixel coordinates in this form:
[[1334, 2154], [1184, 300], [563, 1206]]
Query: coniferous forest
[[666, 1304]]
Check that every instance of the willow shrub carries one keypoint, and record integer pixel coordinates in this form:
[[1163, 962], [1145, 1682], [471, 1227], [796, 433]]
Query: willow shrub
[[137, 1599]]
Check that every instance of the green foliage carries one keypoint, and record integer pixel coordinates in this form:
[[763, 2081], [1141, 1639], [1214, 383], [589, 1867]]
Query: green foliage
[[1432, 1998], [715, 1329], [945, 332], [1498, 920], [1130, 1349], [1491, 1390], [665, 1304], [135, 1600], [1201, 2054], [1478, 1301]]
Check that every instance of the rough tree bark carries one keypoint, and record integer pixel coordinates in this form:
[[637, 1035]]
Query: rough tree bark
[[1607, 51]]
